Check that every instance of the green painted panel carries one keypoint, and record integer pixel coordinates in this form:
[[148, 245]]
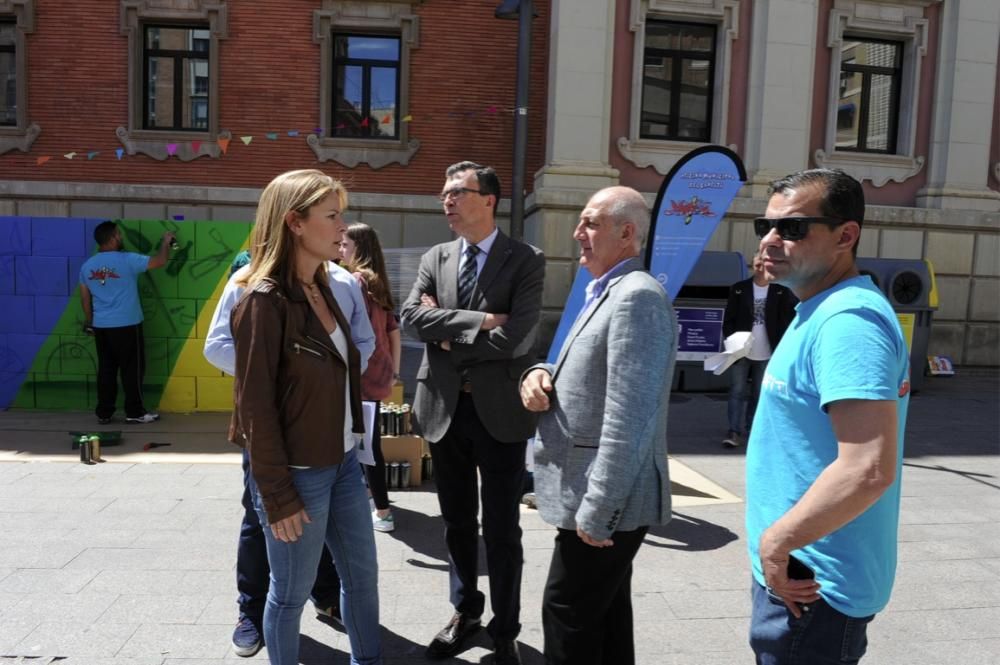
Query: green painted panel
[[169, 317], [26, 394], [220, 241], [77, 355], [158, 358], [61, 391]]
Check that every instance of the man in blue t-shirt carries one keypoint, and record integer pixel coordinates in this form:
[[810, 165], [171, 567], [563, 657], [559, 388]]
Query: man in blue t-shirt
[[825, 454], [110, 296]]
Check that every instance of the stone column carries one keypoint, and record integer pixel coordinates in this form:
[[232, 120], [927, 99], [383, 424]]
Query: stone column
[[577, 140], [779, 105], [958, 167]]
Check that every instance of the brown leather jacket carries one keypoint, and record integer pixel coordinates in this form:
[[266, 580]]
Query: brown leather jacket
[[289, 389]]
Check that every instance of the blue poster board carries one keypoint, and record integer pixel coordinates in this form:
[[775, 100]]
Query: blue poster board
[[699, 332]]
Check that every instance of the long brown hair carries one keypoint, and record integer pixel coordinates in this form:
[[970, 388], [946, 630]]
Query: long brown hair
[[370, 262], [271, 245]]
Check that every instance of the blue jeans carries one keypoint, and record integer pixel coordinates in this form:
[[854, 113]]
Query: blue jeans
[[336, 501], [742, 397], [821, 636]]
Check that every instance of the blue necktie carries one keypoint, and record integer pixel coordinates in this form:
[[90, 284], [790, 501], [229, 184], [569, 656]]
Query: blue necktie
[[467, 277]]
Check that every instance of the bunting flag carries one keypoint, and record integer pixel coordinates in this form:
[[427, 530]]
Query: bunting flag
[[178, 218], [293, 132], [319, 131], [364, 122], [246, 139], [41, 160], [271, 136], [171, 149], [91, 155], [120, 152], [492, 109], [223, 145], [407, 118], [387, 119], [70, 155], [196, 146]]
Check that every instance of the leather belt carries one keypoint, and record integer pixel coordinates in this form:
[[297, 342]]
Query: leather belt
[[466, 387]]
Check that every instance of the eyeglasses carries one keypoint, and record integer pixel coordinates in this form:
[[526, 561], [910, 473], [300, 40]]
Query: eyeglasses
[[792, 228], [457, 192]]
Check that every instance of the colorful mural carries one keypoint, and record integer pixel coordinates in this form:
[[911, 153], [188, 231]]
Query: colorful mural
[[47, 362]]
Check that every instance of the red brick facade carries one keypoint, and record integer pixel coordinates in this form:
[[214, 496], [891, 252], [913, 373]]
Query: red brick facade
[[269, 82]]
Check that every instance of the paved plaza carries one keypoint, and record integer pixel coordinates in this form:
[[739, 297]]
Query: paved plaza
[[131, 562]]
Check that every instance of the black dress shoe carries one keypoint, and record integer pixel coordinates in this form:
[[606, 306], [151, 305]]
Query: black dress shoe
[[505, 652], [447, 642]]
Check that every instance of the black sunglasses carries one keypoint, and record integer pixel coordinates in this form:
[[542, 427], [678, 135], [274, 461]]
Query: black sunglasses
[[792, 228]]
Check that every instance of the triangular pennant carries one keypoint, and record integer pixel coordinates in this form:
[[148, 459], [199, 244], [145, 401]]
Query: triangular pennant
[[196, 146], [171, 149], [293, 132], [41, 160], [492, 108], [70, 155], [119, 152], [272, 136], [246, 139], [387, 119], [319, 130], [91, 155], [407, 118], [223, 145], [364, 122]]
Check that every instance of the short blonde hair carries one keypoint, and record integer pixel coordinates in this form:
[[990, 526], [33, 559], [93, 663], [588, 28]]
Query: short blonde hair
[[271, 245]]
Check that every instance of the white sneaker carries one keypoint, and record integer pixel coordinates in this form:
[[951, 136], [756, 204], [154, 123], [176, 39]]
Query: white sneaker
[[144, 418], [383, 524]]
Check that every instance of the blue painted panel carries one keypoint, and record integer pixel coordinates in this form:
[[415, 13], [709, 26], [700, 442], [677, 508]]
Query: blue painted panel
[[10, 384], [21, 351], [58, 236], [75, 263], [18, 314], [42, 276], [48, 311], [6, 275], [15, 236]]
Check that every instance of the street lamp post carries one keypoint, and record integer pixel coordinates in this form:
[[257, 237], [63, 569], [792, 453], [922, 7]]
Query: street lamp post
[[523, 11]]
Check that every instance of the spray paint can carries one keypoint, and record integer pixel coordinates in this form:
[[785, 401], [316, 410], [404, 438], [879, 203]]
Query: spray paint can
[[86, 452], [95, 449], [427, 467], [394, 475], [404, 475]]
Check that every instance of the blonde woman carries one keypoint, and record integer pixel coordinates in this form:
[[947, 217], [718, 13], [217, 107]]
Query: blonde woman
[[298, 412]]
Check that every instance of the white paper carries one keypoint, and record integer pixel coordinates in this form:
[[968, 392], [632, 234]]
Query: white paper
[[366, 455], [737, 346]]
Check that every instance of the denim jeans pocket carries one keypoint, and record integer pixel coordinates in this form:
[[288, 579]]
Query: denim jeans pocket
[[855, 642]]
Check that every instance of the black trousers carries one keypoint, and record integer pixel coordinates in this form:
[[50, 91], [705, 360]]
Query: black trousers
[[587, 604], [466, 448], [120, 351], [375, 475]]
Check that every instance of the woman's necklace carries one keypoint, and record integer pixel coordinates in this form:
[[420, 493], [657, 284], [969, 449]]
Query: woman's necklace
[[313, 290]]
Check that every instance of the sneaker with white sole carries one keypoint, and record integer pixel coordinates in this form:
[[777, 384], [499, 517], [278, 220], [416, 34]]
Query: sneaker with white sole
[[246, 638], [733, 439], [144, 418], [383, 524]]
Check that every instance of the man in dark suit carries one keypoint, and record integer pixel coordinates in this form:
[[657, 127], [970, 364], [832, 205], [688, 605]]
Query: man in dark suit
[[764, 310], [476, 304]]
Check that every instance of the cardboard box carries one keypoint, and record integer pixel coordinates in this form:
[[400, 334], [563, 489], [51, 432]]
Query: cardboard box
[[405, 449]]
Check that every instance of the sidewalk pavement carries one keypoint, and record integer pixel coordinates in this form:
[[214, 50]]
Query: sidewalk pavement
[[131, 562]]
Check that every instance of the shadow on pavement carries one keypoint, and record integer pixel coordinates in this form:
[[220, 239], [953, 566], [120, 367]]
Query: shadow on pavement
[[689, 534], [424, 534]]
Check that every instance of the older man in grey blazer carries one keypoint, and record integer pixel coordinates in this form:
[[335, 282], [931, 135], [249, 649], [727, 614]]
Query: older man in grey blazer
[[601, 451]]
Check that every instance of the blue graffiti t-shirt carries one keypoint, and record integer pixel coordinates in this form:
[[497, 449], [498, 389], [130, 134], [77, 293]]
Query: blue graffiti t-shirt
[[844, 344], [111, 278]]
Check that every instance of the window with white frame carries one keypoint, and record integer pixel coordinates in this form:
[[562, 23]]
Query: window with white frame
[[680, 78], [873, 89], [364, 82], [173, 78], [17, 20]]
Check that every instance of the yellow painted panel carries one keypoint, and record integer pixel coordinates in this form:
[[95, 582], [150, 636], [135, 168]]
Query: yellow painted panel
[[179, 394], [215, 393], [191, 361], [906, 322]]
